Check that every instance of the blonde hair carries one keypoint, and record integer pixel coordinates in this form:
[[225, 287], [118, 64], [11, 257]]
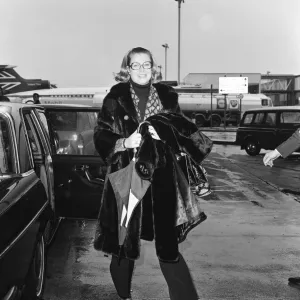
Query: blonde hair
[[123, 75]]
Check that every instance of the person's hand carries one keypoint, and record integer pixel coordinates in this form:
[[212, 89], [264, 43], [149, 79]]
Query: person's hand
[[153, 133], [133, 141], [270, 157]]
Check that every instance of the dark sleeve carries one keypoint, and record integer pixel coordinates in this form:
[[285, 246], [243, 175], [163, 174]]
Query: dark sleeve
[[169, 98], [105, 133], [174, 96], [290, 145]]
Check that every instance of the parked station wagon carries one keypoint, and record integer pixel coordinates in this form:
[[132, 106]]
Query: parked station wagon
[[267, 128], [48, 166]]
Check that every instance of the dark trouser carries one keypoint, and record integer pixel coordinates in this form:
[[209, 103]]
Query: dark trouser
[[177, 275]]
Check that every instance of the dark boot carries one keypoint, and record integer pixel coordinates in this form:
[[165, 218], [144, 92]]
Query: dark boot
[[179, 280], [121, 274]]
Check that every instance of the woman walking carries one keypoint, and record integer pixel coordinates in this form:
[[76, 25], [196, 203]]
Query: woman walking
[[135, 98]]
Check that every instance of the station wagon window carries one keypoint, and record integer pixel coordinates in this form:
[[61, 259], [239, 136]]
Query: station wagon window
[[290, 117], [73, 131], [248, 118], [271, 118], [6, 149], [258, 118]]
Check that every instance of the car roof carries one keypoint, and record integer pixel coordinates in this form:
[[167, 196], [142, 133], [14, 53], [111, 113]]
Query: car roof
[[274, 108], [69, 106], [14, 105], [63, 105]]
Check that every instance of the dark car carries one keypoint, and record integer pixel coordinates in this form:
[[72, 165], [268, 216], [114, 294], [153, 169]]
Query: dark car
[[49, 170], [267, 128], [25, 210]]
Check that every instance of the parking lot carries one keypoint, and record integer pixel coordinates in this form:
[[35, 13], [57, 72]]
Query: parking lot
[[246, 249]]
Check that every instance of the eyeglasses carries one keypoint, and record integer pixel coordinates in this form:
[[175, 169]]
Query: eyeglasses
[[136, 66]]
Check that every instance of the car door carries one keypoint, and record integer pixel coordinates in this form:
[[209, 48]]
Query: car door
[[266, 130], [262, 131], [23, 203], [79, 171], [289, 121], [33, 119]]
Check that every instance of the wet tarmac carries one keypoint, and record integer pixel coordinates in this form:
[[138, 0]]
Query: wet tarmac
[[246, 249], [221, 136]]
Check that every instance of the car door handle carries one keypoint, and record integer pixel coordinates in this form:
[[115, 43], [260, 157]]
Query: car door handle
[[92, 179], [79, 168], [88, 175]]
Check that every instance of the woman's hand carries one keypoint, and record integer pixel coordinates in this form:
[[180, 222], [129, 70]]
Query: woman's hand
[[270, 157], [133, 141], [153, 133]]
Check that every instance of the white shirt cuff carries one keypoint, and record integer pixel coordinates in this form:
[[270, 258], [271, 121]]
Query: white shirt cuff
[[277, 152]]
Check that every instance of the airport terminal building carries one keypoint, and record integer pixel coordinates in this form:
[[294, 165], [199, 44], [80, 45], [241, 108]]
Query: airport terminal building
[[283, 89]]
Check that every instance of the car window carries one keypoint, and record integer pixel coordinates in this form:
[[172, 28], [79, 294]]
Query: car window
[[270, 119], [265, 102], [248, 118], [73, 131], [258, 119], [6, 149], [43, 119], [34, 140], [24, 154], [290, 117]]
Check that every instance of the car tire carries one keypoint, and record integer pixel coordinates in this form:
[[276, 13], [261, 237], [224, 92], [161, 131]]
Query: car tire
[[252, 147], [200, 120], [35, 280]]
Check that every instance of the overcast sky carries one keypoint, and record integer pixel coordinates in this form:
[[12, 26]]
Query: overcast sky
[[82, 42]]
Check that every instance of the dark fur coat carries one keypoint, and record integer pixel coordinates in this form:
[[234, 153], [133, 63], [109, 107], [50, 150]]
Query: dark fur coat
[[156, 216]]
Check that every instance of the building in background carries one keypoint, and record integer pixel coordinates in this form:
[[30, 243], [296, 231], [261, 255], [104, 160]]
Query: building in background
[[283, 89], [204, 81], [280, 88]]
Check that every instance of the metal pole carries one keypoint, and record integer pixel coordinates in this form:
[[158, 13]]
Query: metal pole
[[225, 104], [166, 46], [240, 109], [166, 62], [160, 75], [179, 6], [211, 104]]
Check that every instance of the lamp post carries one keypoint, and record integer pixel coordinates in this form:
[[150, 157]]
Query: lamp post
[[159, 77], [179, 7], [166, 46]]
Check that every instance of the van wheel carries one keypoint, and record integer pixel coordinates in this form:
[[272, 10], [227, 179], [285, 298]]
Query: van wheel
[[36, 276], [200, 120], [252, 147]]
